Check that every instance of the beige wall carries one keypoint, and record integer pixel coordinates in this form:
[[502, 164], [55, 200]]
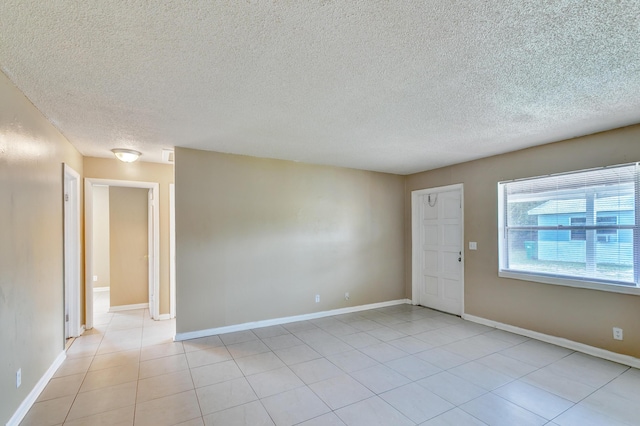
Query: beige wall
[[32, 152], [258, 239], [129, 245], [106, 168], [585, 316], [100, 250]]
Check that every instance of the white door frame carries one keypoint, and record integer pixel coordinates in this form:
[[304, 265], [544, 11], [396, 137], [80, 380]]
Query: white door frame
[[154, 242], [172, 250], [416, 249], [72, 260]]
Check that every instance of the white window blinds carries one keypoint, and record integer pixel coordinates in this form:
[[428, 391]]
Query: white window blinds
[[578, 226]]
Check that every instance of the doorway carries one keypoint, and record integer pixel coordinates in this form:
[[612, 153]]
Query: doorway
[[72, 261], [153, 236], [437, 242]]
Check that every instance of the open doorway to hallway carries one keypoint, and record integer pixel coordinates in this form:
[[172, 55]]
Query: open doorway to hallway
[[122, 240], [120, 249]]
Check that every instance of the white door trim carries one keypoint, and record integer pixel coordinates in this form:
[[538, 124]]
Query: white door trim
[[72, 259], [154, 243], [151, 222], [172, 250], [415, 239]]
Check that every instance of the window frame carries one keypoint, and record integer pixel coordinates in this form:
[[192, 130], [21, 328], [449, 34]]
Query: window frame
[[577, 282]]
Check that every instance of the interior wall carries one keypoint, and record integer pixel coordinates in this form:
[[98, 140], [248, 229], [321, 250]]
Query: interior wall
[[32, 153], [107, 168], [129, 245], [101, 262], [257, 239], [581, 315]]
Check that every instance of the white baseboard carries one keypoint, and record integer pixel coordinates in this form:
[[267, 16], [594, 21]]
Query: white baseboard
[[28, 402], [163, 317], [128, 307], [558, 341], [99, 289], [284, 320]]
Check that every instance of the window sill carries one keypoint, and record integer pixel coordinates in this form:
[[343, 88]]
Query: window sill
[[591, 285]]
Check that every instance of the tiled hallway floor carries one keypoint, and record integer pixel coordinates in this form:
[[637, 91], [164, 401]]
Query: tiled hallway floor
[[400, 365]]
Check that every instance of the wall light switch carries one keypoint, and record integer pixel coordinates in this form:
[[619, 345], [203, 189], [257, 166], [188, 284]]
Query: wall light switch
[[473, 245]]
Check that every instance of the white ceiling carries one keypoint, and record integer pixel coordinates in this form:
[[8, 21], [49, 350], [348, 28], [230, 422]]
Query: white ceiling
[[392, 86]]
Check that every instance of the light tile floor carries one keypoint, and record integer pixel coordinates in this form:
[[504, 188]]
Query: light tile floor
[[401, 365]]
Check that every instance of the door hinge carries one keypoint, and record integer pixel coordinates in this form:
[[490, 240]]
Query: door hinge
[[66, 318], [66, 197]]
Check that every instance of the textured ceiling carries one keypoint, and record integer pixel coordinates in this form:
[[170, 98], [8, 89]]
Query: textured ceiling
[[392, 86]]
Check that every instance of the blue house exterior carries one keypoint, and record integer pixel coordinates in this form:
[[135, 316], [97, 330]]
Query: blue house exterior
[[612, 246]]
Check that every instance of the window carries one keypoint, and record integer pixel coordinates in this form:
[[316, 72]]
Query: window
[[578, 229], [607, 235], [579, 234]]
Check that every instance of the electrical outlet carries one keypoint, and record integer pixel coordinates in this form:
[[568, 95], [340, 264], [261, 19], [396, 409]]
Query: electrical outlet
[[346, 296], [95, 278], [617, 333], [317, 298], [18, 377]]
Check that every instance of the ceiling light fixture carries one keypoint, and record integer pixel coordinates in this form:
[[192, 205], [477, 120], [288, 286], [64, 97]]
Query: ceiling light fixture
[[126, 155]]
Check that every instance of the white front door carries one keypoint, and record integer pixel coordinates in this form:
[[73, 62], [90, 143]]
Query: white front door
[[437, 257]]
